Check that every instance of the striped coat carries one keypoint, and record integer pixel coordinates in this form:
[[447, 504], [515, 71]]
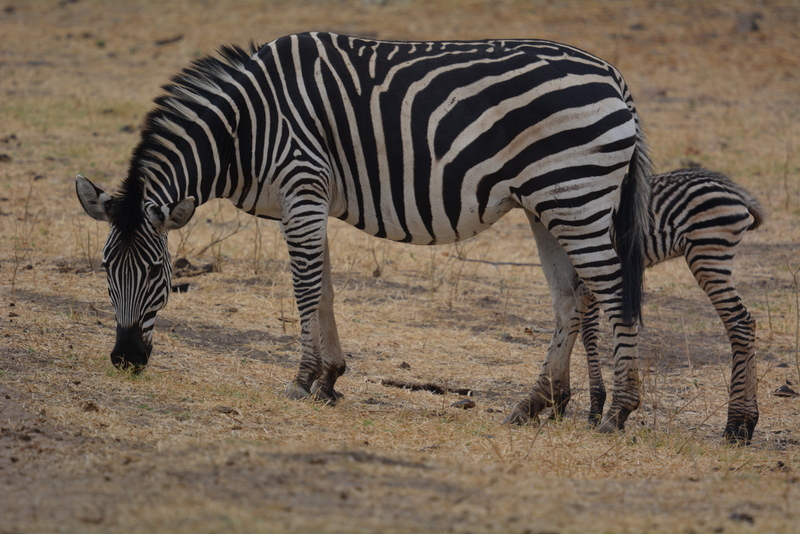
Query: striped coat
[[703, 216], [419, 142]]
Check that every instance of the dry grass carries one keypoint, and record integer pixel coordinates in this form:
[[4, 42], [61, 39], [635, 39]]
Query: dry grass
[[204, 441]]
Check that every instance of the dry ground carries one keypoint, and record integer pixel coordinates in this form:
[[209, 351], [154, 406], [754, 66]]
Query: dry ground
[[204, 441]]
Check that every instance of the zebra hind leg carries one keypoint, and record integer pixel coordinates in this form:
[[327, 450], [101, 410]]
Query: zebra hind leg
[[743, 405], [626, 393], [712, 269], [552, 387], [590, 320]]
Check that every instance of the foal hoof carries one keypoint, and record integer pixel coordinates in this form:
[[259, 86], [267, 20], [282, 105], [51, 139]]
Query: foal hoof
[[738, 434], [295, 391]]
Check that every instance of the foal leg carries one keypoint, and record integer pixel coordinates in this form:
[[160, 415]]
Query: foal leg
[[715, 277], [552, 386]]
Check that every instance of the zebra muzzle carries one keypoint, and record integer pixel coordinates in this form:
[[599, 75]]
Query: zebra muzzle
[[130, 351]]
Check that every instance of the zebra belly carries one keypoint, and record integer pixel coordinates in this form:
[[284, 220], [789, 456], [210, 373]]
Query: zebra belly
[[470, 223]]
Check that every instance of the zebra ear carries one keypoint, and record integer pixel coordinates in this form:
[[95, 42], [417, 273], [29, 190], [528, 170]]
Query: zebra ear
[[93, 199], [171, 216]]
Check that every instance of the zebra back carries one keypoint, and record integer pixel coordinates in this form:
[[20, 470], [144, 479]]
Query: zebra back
[[688, 204]]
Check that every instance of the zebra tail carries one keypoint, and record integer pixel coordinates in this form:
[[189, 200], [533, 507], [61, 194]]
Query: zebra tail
[[755, 208], [632, 223], [757, 211]]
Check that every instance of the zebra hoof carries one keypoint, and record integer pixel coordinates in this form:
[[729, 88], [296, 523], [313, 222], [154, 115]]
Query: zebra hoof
[[609, 426], [519, 417], [525, 412], [614, 421], [595, 419], [738, 434], [328, 396], [295, 391]]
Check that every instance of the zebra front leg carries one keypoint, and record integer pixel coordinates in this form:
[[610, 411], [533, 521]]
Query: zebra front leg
[[552, 387], [322, 361], [333, 364], [590, 320]]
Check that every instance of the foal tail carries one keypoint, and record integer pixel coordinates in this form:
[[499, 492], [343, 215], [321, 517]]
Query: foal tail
[[755, 208], [632, 223]]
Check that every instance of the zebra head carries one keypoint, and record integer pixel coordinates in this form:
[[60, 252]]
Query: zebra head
[[137, 263]]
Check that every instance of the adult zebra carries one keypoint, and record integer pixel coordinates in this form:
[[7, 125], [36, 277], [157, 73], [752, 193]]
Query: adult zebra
[[701, 215], [420, 142]]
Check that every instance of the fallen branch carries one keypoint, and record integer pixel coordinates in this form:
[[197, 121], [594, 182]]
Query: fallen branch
[[500, 263], [425, 386]]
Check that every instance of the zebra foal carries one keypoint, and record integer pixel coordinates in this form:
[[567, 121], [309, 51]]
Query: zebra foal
[[701, 215], [419, 142]]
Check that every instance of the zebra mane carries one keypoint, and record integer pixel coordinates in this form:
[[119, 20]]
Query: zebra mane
[[186, 95]]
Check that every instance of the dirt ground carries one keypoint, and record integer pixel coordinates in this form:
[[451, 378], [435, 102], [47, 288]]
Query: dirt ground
[[204, 441]]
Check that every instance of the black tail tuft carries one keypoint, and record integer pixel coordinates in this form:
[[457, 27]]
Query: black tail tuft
[[631, 226]]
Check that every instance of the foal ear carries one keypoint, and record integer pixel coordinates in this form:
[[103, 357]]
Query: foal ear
[[93, 199], [171, 216]]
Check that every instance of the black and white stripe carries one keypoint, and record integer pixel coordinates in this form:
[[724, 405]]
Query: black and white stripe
[[419, 142], [701, 215]]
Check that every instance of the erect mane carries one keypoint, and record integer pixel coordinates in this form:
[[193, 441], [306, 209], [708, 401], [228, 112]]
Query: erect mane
[[185, 95]]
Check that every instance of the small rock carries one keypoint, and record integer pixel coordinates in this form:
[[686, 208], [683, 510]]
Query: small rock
[[785, 391], [742, 517], [168, 40], [181, 288], [748, 22], [183, 263], [227, 410], [464, 404]]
